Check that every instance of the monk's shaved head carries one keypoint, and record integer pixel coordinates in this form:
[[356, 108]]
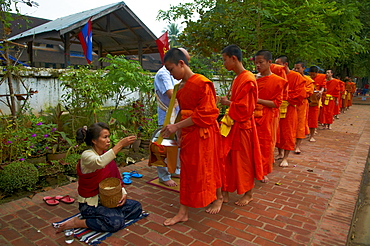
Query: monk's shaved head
[[185, 53], [233, 50], [265, 53], [314, 69], [174, 55]]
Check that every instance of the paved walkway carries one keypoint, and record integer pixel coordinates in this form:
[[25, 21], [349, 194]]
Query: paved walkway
[[313, 205]]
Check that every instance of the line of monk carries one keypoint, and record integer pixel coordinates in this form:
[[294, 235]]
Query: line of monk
[[277, 107]]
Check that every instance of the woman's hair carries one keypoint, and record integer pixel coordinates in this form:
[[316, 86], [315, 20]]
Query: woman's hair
[[91, 133]]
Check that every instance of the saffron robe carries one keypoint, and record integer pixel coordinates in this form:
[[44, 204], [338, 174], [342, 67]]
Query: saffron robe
[[353, 90], [347, 94], [279, 70], [340, 98], [288, 125], [269, 88], [241, 146], [332, 94], [302, 110], [199, 143], [313, 111]]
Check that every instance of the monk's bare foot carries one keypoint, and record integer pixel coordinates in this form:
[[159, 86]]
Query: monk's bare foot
[[69, 224], [265, 179], [215, 207], [297, 151], [329, 127], [278, 157], [312, 140], [178, 218], [225, 196], [315, 131], [284, 163], [245, 200], [169, 183]]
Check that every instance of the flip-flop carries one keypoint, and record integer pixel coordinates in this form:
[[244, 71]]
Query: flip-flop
[[51, 201], [126, 180], [135, 174], [66, 199]]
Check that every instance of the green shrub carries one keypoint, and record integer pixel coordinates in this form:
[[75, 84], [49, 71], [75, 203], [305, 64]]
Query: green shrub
[[18, 175], [49, 169], [71, 163]]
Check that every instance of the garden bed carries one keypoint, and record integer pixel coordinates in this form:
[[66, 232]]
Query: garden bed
[[55, 179]]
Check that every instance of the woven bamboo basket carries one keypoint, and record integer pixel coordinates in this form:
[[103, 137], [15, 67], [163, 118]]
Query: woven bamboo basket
[[110, 192]]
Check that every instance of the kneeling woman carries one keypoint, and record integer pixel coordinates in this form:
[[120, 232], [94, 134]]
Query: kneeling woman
[[95, 165]]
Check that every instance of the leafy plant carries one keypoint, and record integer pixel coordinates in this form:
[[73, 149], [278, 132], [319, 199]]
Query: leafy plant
[[126, 77], [18, 175], [85, 93]]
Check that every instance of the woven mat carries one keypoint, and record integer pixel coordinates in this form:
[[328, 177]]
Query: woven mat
[[156, 182], [93, 237]]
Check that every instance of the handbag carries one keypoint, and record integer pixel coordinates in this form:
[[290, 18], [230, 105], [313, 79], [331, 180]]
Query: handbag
[[163, 152]]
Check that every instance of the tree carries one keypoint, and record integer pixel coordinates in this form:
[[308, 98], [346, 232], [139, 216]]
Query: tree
[[6, 17], [315, 31], [173, 33]]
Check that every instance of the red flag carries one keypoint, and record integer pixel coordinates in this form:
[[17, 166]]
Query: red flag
[[162, 44], [85, 37]]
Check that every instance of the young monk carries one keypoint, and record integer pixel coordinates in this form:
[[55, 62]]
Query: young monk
[[241, 146], [315, 100], [288, 111], [331, 99], [270, 89], [302, 110], [199, 136]]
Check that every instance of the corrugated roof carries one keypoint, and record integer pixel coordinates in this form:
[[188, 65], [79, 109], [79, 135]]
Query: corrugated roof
[[115, 28]]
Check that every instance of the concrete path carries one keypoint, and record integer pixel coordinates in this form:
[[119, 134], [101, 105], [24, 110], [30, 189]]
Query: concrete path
[[314, 204]]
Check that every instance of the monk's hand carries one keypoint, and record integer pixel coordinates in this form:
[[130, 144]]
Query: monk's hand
[[128, 140], [122, 201], [225, 101], [168, 130]]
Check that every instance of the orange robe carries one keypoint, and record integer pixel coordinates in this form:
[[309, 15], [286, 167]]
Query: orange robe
[[241, 146], [339, 105], [353, 90], [279, 70], [288, 125], [199, 142], [269, 88], [313, 110], [348, 89], [329, 105], [302, 110], [342, 94]]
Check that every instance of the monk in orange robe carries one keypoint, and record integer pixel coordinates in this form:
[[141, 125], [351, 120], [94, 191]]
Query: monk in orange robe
[[302, 110], [270, 91], [331, 99], [347, 93], [340, 98], [353, 90], [238, 129], [288, 111], [200, 136], [315, 100]]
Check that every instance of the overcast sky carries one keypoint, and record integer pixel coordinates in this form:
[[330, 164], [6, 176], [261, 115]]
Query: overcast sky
[[146, 10]]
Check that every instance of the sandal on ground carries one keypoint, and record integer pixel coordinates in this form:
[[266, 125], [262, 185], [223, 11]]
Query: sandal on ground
[[126, 180], [51, 201], [133, 174], [66, 199]]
